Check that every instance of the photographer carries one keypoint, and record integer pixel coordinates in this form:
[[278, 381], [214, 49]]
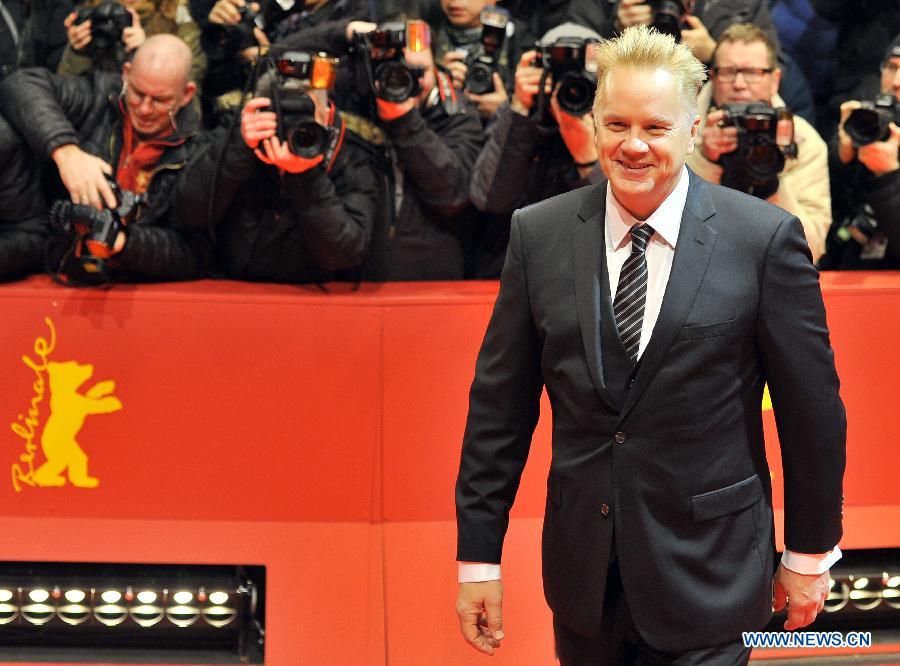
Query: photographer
[[234, 32], [866, 178], [103, 34], [432, 139], [461, 38], [535, 149], [283, 216], [135, 128], [745, 71]]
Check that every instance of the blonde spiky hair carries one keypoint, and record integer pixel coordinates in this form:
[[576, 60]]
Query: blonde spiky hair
[[640, 47]]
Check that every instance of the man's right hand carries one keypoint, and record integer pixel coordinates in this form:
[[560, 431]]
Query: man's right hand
[[226, 12], [79, 35], [633, 12], [84, 176], [715, 140], [528, 82], [480, 610]]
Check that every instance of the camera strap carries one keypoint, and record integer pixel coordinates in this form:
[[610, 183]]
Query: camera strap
[[336, 130], [447, 93]]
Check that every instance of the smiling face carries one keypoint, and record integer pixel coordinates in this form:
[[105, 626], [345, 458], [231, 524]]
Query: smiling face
[[645, 132]]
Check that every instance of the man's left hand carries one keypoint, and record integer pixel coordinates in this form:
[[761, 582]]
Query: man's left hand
[[488, 103], [279, 154], [881, 157], [697, 37], [133, 36], [393, 110], [803, 595]]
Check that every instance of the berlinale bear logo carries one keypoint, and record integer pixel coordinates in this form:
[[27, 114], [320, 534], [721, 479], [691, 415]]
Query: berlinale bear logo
[[69, 407]]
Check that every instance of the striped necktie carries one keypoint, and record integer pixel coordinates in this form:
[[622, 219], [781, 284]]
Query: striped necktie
[[631, 293]]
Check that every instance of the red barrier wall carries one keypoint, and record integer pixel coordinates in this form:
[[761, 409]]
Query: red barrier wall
[[318, 434]]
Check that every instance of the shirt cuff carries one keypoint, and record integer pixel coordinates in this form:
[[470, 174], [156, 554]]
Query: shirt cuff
[[477, 572], [810, 565]]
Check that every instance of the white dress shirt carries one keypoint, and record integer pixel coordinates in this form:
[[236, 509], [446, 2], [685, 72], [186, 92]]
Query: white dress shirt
[[666, 222]]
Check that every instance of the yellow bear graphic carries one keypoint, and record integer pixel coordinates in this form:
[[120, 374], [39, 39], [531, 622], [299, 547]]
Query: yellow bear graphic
[[68, 409]]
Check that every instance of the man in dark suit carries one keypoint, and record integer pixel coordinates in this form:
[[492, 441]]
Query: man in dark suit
[[654, 308]]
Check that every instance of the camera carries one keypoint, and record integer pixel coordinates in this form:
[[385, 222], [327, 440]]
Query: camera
[[871, 122], [108, 20], [296, 73], [667, 16], [95, 230], [570, 61], [481, 62], [393, 79], [765, 138]]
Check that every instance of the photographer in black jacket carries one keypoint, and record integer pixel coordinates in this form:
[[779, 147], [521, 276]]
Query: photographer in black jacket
[[865, 179], [132, 129], [432, 139], [282, 216]]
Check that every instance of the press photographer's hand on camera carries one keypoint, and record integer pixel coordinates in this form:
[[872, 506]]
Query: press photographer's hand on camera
[[84, 176], [133, 36], [633, 12], [488, 103], [393, 110], [881, 157], [258, 129], [78, 34], [846, 150], [278, 154], [455, 62], [579, 135], [716, 140], [699, 40], [227, 12], [358, 28], [256, 124], [528, 83]]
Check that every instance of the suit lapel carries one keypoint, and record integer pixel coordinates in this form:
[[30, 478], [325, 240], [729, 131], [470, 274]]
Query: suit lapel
[[589, 258], [696, 240]]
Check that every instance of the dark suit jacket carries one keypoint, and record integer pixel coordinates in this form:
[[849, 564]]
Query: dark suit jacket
[[681, 466]]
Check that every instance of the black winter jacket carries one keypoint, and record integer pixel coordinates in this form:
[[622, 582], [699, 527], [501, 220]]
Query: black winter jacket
[[854, 187], [50, 111], [435, 150], [23, 210], [304, 227]]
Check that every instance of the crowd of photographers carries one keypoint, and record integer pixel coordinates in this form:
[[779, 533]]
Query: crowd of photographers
[[316, 140]]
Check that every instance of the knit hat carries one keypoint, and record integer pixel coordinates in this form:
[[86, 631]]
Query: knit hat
[[893, 51]]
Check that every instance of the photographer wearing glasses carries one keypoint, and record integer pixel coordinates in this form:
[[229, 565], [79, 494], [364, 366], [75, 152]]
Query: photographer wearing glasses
[[749, 142], [866, 178], [294, 194], [118, 143]]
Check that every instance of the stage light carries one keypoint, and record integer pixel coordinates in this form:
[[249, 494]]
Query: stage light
[[146, 597], [218, 598], [183, 597], [838, 596], [132, 606], [866, 593], [111, 596], [891, 591]]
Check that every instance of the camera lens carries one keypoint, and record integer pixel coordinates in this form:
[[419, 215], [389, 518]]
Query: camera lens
[[576, 94], [667, 18], [395, 83], [307, 139], [866, 126], [480, 78]]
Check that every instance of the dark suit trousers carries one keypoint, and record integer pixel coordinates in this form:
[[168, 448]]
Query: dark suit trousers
[[620, 644]]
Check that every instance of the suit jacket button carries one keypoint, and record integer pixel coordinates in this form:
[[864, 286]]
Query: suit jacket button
[[620, 437], [604, 510]]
